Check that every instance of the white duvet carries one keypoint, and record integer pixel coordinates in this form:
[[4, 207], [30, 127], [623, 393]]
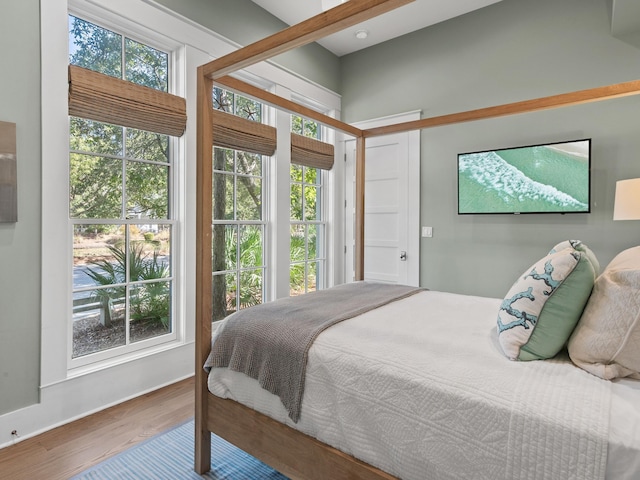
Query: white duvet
[[420, 389]]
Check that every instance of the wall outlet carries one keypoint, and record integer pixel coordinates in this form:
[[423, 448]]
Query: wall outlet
[[427, 232]]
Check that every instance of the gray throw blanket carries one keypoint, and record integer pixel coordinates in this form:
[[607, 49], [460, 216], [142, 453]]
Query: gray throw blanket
[[270, 342]]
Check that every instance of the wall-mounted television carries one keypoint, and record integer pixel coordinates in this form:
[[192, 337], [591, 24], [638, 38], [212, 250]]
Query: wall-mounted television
[[545, 178]]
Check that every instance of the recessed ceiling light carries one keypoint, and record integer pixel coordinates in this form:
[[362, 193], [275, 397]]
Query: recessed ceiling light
[[362, 34]]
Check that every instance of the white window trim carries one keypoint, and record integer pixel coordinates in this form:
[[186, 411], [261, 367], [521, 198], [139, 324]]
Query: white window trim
[[198, 46]]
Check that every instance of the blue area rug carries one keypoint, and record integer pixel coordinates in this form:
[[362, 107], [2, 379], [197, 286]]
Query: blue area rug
[[169, 455]]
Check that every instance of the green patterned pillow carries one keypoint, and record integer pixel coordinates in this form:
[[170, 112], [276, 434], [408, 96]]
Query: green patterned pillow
[[544, 305]]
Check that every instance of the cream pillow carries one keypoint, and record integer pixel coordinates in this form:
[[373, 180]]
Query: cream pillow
[[606, 341]]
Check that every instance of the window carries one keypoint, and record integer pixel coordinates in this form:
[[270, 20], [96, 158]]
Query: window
[[121, 207], [308, 223], [238, 217]]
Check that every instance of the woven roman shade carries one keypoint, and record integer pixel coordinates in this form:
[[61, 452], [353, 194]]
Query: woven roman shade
[[100, 97], [310, 152], [237, 133]]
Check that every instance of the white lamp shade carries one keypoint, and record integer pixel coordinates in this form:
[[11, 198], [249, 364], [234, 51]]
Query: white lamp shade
[[627, 203]]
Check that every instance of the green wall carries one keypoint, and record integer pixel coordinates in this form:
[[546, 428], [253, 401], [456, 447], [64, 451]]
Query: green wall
[[513, 50], [244, 22], [20, 242]]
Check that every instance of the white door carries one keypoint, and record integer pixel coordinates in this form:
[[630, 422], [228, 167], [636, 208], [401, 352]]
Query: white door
[[392, 199]]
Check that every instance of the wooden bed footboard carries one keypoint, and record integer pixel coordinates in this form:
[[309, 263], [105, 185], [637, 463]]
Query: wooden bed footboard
[[289, 451]]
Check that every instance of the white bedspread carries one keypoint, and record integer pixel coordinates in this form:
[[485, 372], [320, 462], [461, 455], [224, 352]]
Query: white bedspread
[[420, 389]]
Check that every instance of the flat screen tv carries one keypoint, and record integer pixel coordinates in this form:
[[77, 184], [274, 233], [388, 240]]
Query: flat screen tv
[[547, 178]]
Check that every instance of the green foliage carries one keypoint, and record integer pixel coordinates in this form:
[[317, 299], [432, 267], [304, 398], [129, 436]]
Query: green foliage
[[296, 270], [305, 193], [304, 239], [147, 188], [146, 66], [95, 47], [149, 301], [101, 50], [97, 184], [245, 170], [249, 255], [95, 187], [304, 127]]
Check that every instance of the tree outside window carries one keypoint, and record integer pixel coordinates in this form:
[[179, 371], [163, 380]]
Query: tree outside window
[[120, 205]]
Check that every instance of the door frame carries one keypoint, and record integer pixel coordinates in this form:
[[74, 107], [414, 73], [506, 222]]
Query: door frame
[[413, 194]]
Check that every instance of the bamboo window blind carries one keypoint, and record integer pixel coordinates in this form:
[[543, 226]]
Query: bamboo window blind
[[234, 132], [100, 97], [103, 98], [310, 152], [237, 133]]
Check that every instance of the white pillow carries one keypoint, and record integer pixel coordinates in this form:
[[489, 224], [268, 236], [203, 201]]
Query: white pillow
[[606, 341]]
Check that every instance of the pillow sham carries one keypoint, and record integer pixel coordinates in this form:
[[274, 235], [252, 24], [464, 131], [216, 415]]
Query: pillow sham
[[543, 306], [606, 341]]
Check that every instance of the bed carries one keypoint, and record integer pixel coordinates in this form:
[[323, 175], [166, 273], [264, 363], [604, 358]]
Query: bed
[[404, 382], [603, 444], [419, 388]]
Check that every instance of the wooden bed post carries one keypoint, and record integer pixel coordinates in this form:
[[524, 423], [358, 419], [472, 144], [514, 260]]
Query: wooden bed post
[[359, 230], [203, 268]]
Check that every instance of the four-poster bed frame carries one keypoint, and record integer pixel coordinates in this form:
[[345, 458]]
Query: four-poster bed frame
[[289, 451]]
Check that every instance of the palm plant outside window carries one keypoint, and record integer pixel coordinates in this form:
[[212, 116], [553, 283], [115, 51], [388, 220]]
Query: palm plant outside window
[[308, 223], [120, 205]]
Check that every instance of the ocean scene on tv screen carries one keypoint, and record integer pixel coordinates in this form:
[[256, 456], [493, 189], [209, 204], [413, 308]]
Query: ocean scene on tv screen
[[538, 179]]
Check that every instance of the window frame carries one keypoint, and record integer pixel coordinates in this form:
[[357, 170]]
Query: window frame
[[320, 223], [132, 350], [263, 222], [193, 46]]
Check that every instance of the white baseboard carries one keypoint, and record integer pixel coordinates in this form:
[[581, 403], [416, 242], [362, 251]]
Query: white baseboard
[[77, 397]]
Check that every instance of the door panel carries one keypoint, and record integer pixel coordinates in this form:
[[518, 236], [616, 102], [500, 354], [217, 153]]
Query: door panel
[[391, 185], [385, 221]]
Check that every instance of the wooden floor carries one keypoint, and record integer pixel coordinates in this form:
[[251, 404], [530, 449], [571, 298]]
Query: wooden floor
[[65, 451]]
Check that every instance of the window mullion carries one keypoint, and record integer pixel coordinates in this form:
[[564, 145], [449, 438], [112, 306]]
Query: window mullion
[[122, 57], [239, 269], [123, 214], [127, 278]]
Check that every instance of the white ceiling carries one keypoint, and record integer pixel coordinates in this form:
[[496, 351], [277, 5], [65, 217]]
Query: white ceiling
[[406, 19]]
